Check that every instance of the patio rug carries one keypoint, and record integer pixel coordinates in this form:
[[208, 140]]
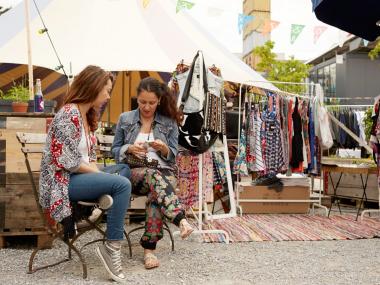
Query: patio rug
[[293, 228]]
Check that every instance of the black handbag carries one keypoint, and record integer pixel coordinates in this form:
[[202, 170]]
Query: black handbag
[[192, 134], [134, 161]]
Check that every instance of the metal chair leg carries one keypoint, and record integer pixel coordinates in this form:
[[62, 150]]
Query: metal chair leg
[[166, 227], [33, 255], [71, 247], [129, 243]]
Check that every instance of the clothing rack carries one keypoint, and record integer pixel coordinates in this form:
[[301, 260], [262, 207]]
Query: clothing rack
[[202, 206], [315, 202], [347, 106], [361, 142], [347, 98], [348, 131]]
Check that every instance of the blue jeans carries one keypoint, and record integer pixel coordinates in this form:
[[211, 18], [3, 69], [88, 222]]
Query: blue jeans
[[121, 169], [90, 186]]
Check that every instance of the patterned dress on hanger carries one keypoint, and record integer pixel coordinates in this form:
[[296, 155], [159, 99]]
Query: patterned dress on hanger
[[274, 159], [259, 163]]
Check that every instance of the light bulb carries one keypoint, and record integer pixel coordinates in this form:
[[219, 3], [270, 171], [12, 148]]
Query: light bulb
[[41, 31]]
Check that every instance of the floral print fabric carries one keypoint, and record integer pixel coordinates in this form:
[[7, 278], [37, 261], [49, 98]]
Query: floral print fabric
[[159, 187], [61, 157]]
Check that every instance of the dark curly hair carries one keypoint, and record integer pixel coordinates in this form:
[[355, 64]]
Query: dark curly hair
[[168, 104]]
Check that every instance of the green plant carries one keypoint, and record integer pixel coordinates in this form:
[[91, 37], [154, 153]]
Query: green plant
[[374, 53], [17, 93], [291, 70], [368, 123]]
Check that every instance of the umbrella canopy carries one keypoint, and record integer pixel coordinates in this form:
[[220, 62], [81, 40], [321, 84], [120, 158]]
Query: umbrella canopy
[[54, 84], [358, 17], [116, 35]]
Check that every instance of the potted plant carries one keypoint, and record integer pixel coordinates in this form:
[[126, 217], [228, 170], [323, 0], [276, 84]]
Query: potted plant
[[19, 95]]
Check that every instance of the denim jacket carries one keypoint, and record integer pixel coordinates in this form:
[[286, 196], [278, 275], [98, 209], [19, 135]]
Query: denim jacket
[[128, 128]]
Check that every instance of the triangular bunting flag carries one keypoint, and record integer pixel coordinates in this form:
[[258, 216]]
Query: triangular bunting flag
[[295, 32], [318, 31], [182, 4], [145, 3], [269, 26], [243, 20]]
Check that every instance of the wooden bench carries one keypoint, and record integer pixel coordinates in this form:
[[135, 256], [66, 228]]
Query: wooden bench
[[138, 203], [32, 148]]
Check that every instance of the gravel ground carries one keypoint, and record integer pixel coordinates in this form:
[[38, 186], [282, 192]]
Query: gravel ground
[[194, 262]]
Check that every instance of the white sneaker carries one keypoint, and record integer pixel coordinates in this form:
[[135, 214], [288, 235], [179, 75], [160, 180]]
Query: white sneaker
[[95, 214], [105, 202], [110, 254]]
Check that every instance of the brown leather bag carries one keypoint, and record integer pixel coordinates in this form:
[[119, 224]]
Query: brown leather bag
[[134, 161]]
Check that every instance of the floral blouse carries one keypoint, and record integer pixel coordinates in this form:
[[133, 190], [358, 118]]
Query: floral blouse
[[60, 158]]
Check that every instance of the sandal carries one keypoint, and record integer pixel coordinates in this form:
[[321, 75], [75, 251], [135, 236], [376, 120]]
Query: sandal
[[185, 229], [150, 261]]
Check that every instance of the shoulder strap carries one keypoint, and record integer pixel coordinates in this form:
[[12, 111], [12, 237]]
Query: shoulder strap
[[186, 91]]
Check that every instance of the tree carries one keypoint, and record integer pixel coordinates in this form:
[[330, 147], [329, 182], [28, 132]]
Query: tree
[[374, 53], [291, 70]]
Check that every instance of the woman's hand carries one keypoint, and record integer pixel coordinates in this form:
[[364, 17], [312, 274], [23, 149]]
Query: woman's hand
[[88, 168], [160, 146], [137, 149]]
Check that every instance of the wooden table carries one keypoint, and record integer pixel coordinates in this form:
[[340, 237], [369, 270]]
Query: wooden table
[[348, 169]]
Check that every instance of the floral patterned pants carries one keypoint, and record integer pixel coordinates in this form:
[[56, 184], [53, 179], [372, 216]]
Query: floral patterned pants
[[162, 201]]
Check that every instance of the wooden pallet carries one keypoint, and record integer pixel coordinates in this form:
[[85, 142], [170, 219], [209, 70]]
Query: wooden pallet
[[44, 239]]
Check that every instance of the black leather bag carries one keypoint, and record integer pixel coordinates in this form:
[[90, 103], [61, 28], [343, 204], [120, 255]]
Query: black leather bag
[[192, 134]]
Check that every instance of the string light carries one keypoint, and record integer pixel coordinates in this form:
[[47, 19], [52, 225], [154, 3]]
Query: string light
[[41, 31]]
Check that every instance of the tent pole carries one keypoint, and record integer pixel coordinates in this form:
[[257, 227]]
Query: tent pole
[[129, 90], [29, 46], [124, 74]]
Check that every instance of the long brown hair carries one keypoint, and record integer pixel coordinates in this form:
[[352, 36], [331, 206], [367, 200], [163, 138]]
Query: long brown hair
[[85, 89], [168, 104]]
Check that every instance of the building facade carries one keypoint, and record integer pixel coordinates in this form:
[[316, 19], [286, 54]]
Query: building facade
[[346, 71], [252, 33]]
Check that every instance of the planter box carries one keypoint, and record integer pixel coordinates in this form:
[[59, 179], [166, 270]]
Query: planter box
[[6, 106]]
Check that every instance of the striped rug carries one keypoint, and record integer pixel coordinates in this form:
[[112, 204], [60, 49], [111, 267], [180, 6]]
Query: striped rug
[[293, 228]]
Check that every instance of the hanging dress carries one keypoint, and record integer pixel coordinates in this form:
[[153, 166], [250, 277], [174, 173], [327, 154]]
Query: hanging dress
[[272, 136], [297, 142]]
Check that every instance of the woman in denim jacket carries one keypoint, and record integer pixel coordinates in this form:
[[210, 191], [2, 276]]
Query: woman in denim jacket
[[152, 131]]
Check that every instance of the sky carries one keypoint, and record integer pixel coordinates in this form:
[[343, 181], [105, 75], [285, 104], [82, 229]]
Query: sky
[[220, 17], [223, 26]]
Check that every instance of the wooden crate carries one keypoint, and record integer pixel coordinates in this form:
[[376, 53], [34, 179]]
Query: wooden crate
[[14, 159], [44, 240], [19, 215]]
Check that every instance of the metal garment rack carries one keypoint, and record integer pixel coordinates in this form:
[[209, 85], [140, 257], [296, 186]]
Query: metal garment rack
[[357, 139], [203, 211], [202, 206], [316, 202]]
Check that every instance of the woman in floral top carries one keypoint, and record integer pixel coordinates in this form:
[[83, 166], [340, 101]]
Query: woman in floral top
[[68, 166]]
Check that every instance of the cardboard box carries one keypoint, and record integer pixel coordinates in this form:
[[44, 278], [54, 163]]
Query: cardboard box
[[289, 192]]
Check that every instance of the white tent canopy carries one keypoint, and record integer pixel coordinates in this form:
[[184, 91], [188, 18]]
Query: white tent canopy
[[116, 35]]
